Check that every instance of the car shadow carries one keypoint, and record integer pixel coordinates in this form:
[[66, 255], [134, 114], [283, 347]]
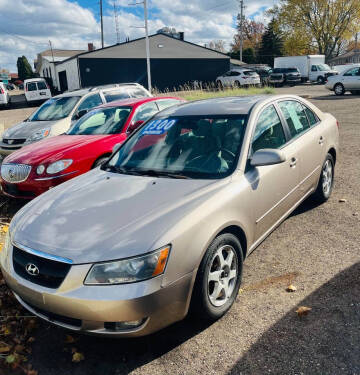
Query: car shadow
[[51, 355], [326, 341], [308, 205]]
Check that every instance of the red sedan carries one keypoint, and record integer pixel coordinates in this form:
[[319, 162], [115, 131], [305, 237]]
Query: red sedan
[[40, 166]]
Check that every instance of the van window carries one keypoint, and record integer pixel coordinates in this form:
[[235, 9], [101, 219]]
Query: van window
[[41, 85], [31, 86]]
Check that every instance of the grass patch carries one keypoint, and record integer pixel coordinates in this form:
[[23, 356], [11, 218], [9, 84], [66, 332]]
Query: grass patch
[[207, 94]]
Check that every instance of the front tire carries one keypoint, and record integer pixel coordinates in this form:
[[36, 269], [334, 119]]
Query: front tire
[[339, 89], [219, 277], [326, 181], [320, 80]]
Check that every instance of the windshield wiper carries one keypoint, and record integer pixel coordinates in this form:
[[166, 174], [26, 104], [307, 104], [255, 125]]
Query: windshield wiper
[[121, 170], [154, 173]]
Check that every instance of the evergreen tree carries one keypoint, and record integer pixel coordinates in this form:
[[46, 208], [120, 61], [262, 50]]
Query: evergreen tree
[[249, 56], [24, 68], [271, 45]]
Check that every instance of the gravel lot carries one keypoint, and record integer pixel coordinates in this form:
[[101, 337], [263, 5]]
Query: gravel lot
[[317, 249]]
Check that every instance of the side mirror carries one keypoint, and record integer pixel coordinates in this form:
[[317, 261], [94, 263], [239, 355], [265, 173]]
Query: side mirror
[[116, 148], [134, 125], [265, 157], [80, 114]]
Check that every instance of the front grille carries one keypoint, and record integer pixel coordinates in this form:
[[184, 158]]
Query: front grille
[[50, 272], [56, 318], [11, 148], [15, 191], [276, 76], [15, 172], [14, 141]]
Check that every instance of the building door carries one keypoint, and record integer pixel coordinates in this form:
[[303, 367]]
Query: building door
[[63, 81]]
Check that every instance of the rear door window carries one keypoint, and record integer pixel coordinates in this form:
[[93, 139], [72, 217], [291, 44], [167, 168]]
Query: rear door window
[[145, 111], [313, 119], [113, 95], [90, 102], [138, 92], [41, 85], [269, 132], [31, 86], [295, 117]]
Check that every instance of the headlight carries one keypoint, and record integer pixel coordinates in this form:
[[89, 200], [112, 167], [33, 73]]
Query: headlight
[[58, 166], [129, 270], [37, 136], [5, 249]]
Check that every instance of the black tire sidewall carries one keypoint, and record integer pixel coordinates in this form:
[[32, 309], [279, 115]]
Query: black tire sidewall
[[200, 300], [319, 191]]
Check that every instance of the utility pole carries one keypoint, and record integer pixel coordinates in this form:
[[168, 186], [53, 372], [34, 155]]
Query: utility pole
[[116, 23], [53, 61], [147, 42], [102, 23], [241, 28], [147, 46]]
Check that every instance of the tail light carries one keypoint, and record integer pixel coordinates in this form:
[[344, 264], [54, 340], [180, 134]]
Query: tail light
[[1, 90], [337, 124]]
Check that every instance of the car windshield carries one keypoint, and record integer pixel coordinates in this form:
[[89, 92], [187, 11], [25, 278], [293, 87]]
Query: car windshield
[[292, 70], [249, 73], [102, 121], [278, 70], [183, 147], [323, 67], [55, 109]]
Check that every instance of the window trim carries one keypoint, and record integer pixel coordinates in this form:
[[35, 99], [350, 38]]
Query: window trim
[[76, 109]]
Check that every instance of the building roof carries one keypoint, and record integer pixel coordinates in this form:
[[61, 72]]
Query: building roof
[[61, 52], [346, 55], [236, 62], [162, 46]]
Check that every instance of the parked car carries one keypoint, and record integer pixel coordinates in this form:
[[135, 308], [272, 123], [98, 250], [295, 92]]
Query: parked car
[[238, 78], [4, 96], [311, 67], [348, 80], [263, 71], [284, 76], [164, 226], [56, 115], [36, 90], [342, 68], [39, 167]]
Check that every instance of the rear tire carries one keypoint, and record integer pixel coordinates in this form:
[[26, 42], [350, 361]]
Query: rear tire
[[320, 80], [339, 89], [326, 181], [218, 279], [237, 84]]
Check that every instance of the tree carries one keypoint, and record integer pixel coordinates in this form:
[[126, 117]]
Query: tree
[[217, 45], [323, 24], [252, 34], [24, 68], [271, 45], [249, 56]]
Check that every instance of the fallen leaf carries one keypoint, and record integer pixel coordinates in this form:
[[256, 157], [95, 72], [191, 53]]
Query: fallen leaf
[[303, 310], [5, 228], [291, 288], [4, 349], [342, 200], [77, 357]]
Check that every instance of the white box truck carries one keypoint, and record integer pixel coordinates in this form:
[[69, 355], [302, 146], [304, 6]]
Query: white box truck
[[312, 67]]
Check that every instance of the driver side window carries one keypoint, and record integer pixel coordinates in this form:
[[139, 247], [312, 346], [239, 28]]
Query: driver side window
[[352, 72], [269, 132], [90, 102]]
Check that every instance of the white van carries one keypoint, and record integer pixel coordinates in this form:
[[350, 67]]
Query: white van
[[4, 96], [36, 90]]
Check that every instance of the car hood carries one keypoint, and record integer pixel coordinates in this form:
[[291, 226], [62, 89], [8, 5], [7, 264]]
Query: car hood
[[26, 129], [51, 148], [102, 216]]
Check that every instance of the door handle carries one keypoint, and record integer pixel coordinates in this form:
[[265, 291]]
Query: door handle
[[293, 162], [321, 140]]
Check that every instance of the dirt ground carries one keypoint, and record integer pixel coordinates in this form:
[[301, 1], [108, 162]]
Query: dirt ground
[[317, 249]]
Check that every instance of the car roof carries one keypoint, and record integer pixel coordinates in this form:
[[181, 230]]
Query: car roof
[[231, 105], [34, 80], [136, 101]]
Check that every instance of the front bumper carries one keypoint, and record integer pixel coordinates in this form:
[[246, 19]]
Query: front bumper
[[31, 188], [6, 149], [86, 309]]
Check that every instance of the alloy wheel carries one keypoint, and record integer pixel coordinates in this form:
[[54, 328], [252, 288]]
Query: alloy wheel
[[222, 275], [327, 177]]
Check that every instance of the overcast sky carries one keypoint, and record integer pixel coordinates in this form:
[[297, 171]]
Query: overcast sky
[[26, 26]]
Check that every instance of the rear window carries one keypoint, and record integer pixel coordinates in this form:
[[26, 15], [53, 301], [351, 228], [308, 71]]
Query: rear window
[[41, 85], [138, 92], [31, 86], [249, 73], [278, 70]]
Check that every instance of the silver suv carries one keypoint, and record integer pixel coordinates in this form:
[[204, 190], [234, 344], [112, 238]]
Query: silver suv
[[55, 116]]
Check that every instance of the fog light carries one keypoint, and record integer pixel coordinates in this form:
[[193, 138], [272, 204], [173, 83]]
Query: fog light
[[124, 326], [40, 169]]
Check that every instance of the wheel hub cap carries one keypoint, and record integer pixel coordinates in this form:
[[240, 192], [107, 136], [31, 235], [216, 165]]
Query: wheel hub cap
[[222, 275], [327, 174]]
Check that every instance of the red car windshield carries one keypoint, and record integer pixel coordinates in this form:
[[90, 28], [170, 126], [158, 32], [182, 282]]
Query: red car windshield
[[102, 121]]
